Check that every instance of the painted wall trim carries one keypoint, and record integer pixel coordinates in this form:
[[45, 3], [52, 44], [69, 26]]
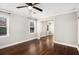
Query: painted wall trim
[[60, 13], [66, 44], [5, 46]]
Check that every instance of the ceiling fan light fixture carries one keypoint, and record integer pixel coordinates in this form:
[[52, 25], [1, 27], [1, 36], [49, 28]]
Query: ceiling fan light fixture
[[30, 7]]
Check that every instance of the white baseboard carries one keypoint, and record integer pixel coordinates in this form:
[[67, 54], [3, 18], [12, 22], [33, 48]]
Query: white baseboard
[[66, 44], [5, 46], [78, 48]]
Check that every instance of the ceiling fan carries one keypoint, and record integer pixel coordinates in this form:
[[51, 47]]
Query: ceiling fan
[[30, 6]]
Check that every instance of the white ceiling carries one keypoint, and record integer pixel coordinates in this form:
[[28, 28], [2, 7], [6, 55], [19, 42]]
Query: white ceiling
[[49, 9]]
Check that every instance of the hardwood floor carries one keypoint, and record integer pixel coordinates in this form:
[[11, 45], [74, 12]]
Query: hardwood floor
[[44, 46]]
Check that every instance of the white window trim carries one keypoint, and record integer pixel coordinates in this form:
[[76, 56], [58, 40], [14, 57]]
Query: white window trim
[[6, 16], [34, 27]]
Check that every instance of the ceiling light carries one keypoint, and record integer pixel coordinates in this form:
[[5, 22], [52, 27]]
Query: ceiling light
[[30, 7]]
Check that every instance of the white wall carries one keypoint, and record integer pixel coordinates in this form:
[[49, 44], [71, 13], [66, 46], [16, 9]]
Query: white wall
[[66, 28], [78, 26], [18, 30], [44, 28], [51, 27], [78, 29]]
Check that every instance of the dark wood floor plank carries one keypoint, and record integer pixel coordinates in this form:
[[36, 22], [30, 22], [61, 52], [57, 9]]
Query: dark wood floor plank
[[44, 46]]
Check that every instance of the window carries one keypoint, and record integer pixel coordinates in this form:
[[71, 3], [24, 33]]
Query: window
[[3, 26], [31, 27], [47, 27]]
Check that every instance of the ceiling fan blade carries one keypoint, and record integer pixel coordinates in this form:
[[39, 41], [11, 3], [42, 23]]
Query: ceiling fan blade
[[29, 4], [35, 3], [21, 6], [37, 8]]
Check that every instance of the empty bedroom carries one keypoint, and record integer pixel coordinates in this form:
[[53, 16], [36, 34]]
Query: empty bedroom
[[39, 28]]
